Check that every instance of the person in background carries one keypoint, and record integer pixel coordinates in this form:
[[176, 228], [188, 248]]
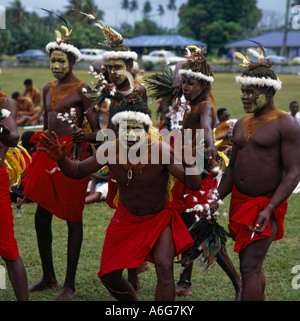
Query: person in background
[[294, 110]]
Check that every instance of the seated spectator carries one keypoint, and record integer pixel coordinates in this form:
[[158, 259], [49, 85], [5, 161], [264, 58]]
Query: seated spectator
[[222, 115], [98, 186], [33, 92]]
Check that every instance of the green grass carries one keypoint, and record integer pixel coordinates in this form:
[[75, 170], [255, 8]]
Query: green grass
[[212, 285]]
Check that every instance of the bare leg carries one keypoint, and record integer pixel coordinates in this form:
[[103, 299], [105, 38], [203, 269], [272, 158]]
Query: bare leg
[[95, 197], [74, 245], [17, 275], [251, 261], [183, 286], [226, 264], [119, 287], [43, 220], [133, 279], [163, 255]]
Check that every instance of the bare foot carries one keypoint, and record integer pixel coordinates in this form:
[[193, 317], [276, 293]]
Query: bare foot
[[66, 294], [144, 267], [42, 285], [183, 288]]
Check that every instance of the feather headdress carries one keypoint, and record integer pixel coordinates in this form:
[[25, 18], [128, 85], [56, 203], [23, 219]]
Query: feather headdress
[[63, 42], [262, 61], [113, 42], [195, 60]]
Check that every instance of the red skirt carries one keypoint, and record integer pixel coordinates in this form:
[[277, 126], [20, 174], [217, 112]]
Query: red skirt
[[8, 244], [46, 185], [130, 238], [243, 213]]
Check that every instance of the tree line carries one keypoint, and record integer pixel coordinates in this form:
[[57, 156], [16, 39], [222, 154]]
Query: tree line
[[211, 21]]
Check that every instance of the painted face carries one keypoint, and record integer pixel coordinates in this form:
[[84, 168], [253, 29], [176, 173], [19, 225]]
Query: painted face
[[114, 65], [59, 64], [131, 134], [191, 88], [253, 99]]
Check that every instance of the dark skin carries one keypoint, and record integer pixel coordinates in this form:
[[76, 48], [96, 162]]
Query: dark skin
[[202, 117], [121, 84], [137, 197], [10, 138], [267, 165], [62, 70]]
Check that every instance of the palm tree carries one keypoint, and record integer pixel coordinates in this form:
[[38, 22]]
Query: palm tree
[[172, 7], [133, 7], [161, 12], [90, 7], [147, 8], [17, 12], [76, 5], [125, 6]]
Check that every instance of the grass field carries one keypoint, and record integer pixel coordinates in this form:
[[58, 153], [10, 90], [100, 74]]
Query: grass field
[[212, 285]]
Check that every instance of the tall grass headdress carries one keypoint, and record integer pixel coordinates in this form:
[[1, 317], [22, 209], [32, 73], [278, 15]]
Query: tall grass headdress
[[258, 73], [113, 42], [63, 42]]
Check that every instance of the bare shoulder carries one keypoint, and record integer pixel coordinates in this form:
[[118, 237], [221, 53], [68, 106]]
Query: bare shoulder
[[9, 104], [288, 126]]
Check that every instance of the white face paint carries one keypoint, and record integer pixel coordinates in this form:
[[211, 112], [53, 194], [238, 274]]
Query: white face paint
[[132, 135]]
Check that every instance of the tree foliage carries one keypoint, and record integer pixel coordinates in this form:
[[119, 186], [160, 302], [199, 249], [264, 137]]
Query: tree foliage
[[217, 22], [214, 22]]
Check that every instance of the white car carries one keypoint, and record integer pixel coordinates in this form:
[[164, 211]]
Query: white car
[[162, 56], [295, 60], [92, 54]]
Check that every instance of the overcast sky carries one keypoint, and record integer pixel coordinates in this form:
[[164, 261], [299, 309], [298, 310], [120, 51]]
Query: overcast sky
[[114, 15]]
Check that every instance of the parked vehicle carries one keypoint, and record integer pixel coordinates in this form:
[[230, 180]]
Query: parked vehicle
[[32, 54], [162, 56], [295, 60], [92, 54]]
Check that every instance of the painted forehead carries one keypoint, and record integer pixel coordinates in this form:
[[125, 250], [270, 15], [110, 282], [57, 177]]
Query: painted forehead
[[113, 63], [59, 53]]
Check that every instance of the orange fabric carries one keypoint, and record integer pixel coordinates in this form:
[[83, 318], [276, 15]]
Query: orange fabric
[[46, 185], [243, 213], [8, 244], [130, 238], [59, 92]]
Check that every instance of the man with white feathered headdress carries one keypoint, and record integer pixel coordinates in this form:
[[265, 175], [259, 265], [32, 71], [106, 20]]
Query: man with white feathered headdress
[[119, 62], [65, 108], [196, 82], [146, 225], [264, 170]]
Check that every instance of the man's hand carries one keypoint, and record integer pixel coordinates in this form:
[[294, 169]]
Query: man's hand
[[262, 221], [54, 150], [78, 135]]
